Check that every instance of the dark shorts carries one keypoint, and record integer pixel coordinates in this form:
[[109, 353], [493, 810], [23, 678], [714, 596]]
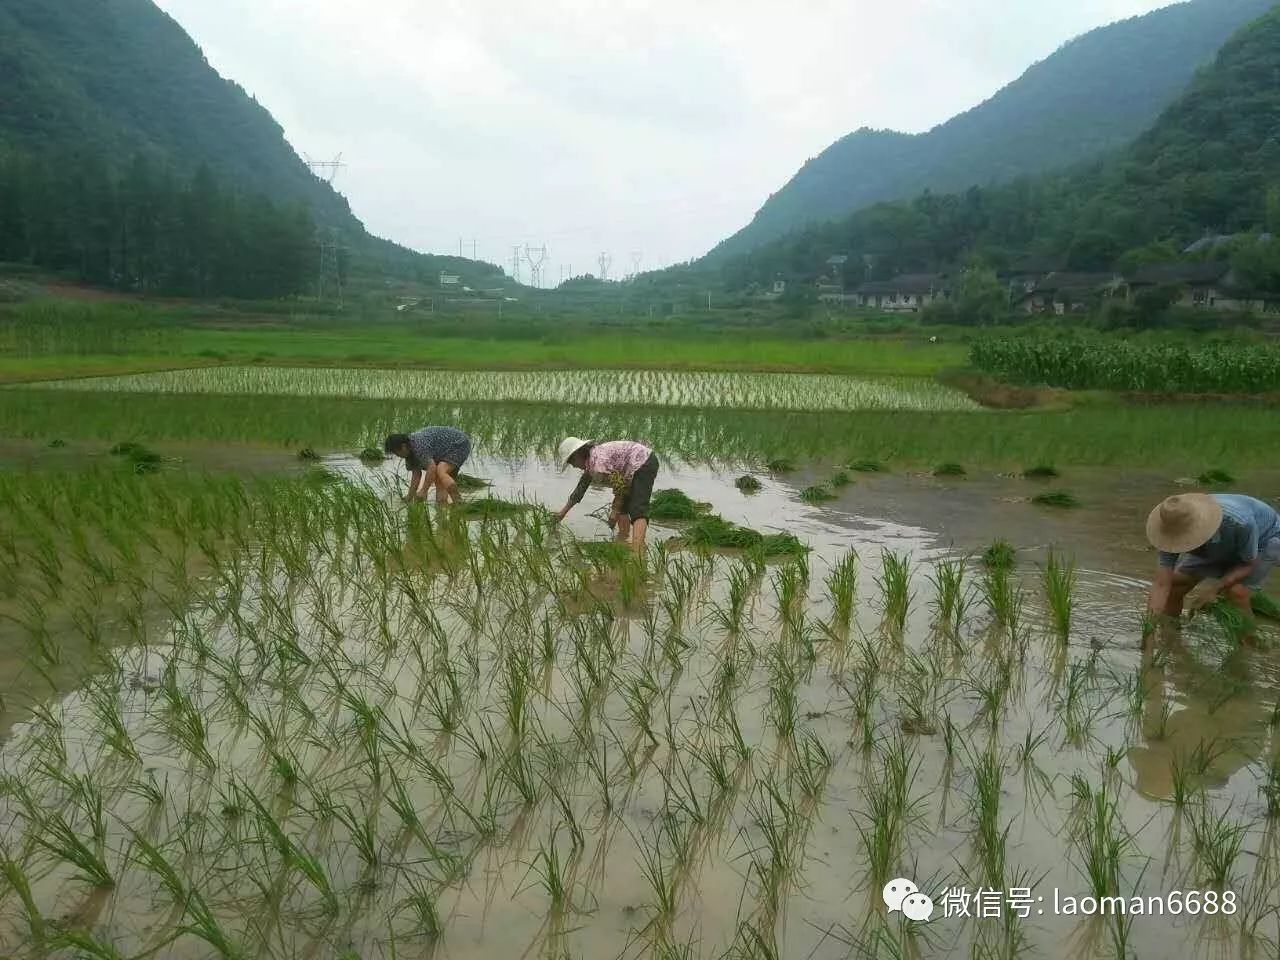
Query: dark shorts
[[635, 504]]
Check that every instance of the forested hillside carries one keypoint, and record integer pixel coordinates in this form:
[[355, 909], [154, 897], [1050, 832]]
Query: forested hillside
[[126, 158], [1095, 94], [1211, 162]]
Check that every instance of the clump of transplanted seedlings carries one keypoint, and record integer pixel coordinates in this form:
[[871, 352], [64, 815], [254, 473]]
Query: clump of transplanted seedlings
[[842, 591], [1059, 579], [895, 588], [371, 456], [949, 470], [490, 508], [817, 494], [1041, 471], [840, 479], [999, 556], [308, 454], [466, 481], [1217, 842], [1101, 841], [780, 465], [1216, 477], [951, 595], [888, 811], [748, 484]]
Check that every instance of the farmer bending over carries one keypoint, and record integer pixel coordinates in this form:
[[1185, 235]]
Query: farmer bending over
[[629, 468], [1229, 537], [434, 456]]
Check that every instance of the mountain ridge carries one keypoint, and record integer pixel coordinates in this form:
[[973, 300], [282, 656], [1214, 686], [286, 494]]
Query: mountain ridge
[[1074, 105]]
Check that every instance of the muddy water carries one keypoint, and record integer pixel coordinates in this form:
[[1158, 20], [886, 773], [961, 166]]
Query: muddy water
[[1199, 691]]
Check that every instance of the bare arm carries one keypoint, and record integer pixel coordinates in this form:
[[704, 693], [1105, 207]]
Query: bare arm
[[415, 477], [575, 498], [1160, 587], [1238, 575]]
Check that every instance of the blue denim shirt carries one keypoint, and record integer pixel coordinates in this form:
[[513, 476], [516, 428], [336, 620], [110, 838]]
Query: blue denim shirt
[[1248, 526]]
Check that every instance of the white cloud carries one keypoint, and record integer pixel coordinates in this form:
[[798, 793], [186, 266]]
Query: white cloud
[[623, 125]]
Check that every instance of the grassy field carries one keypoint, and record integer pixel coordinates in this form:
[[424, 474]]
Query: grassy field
[[1186, 438], [121, 337]]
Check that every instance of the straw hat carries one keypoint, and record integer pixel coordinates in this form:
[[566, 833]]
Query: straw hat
[[569, 446], [1184, 522]]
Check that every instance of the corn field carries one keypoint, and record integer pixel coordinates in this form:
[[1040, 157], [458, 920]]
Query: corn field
[[1096, 363]]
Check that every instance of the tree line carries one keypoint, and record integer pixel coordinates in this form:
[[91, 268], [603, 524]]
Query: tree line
[[147, 228]]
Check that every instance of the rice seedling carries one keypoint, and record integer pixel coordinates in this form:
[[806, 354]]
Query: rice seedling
[[816, 495], [999, 556], [990, 840], [1215, 477], [1055, 498], [20, 883], [1042, 471], [842, 590], [949, 470], [951, 596], [888, 812], [371, 455], [840, 479], [423, 907], [308, 455], [780, 465], [748, 484], [895, 588], [1217, 842], [1059, 580], [1101, 840]]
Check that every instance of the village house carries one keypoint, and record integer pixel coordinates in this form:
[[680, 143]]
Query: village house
[[908, 292], [1210, 285], [1063, 293]]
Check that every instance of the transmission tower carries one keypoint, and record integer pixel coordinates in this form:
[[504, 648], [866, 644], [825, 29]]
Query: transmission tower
[[515, 262], [326, 170], [535, 256], [330, 280], [605, 260], [636, 257]]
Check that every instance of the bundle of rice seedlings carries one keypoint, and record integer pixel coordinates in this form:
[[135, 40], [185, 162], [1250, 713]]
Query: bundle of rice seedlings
[[748, 484], [867, 466], [817, 494], [675, 505], [1215, 478], [948, 470], [1042, 471], [1056, 498]]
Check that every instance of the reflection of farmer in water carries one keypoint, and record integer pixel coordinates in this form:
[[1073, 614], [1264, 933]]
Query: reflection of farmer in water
[[1228, 537], [628, 467], [1183, 726], [434, 456]]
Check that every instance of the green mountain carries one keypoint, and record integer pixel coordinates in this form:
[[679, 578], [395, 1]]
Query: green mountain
[[109, 104], [1210, 163], [1094, 94]]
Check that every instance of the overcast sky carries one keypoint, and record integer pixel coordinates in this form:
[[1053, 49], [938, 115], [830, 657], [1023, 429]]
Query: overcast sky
[[607, 125]]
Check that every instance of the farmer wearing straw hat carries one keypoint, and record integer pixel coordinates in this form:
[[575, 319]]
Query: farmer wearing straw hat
[[434, 456], [1223, 536], [630, 468]]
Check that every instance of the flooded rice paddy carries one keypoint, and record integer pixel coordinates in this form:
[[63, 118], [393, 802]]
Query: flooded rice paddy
[[741, 391], [288, 716]]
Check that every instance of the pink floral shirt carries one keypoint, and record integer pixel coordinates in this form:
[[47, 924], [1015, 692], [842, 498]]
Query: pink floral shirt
[[614, 463]]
